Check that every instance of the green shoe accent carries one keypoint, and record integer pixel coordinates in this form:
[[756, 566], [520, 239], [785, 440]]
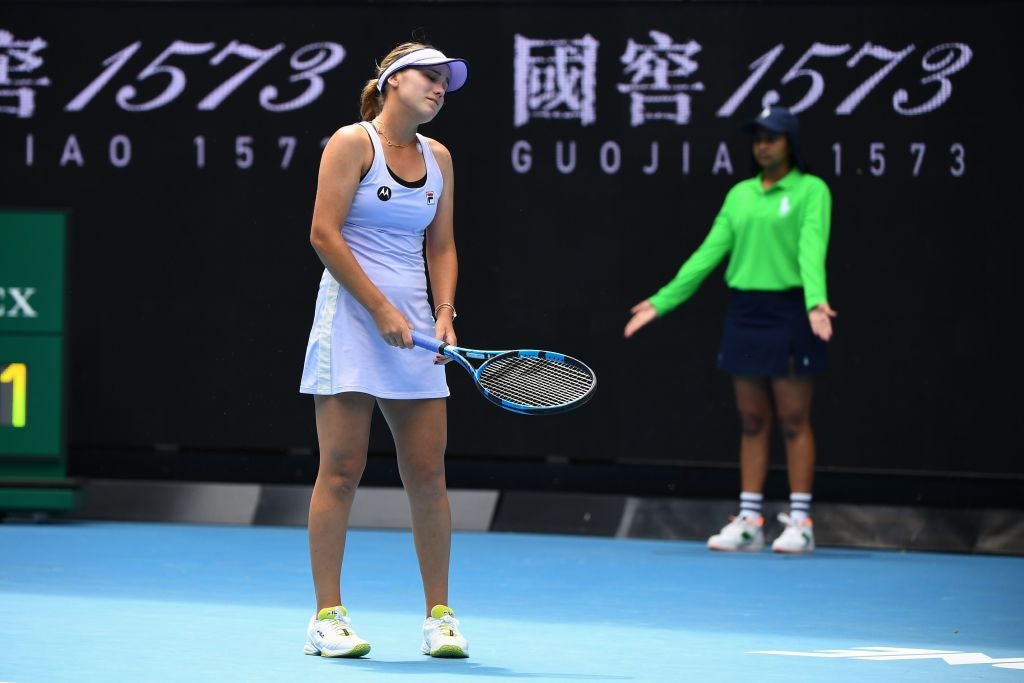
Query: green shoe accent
[[331, 612], [357, 651], [439, 611], [448, 651]]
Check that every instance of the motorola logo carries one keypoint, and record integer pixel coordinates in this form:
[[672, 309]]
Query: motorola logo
[[383, 193]]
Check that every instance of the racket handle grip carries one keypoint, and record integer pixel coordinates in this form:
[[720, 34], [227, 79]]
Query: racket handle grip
[[427, 342]]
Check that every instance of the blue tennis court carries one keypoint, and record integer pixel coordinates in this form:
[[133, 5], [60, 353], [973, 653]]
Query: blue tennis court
[[171, 602]]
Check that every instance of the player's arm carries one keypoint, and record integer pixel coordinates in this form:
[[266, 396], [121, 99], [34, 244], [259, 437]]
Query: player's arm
[[442, 258], [812, 249], [716, 245], [346, 157], [707, 256]]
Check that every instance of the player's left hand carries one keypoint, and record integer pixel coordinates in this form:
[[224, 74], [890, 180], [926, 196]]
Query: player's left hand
[[444, 331], [821, 320]]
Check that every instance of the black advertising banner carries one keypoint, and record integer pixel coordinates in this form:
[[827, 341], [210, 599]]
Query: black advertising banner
[[593, 146]]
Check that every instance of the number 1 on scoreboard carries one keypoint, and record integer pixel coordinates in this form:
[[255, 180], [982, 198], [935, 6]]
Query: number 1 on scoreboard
[[13, 400]]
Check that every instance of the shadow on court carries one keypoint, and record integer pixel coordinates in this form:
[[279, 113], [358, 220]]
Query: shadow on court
[[465, 667], [831, 555]]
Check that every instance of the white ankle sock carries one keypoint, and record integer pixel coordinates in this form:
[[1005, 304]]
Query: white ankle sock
[[750, 504], [799, 506]]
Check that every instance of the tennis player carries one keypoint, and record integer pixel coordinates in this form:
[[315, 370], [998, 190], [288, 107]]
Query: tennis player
[[384, 198], [774, 228]]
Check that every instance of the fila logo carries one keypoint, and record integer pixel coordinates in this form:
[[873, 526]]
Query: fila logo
[[430, 197], [383, 193], [19, 306], [890, 654]]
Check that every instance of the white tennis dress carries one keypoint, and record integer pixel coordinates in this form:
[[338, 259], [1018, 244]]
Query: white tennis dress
[[384, 229]]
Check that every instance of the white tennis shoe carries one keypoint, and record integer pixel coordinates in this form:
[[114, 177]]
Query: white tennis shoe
[[441, 636], [742, 534], [330, 634], [796, 538]]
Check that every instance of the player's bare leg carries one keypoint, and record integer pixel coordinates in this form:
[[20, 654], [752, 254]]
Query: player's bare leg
[[793, 396], [754, 405], [420, 431], [343, 432]]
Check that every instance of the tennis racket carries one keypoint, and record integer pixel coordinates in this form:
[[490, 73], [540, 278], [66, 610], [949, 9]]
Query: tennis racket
[[523, 381]]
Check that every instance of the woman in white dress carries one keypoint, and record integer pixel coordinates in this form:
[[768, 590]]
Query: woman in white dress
[[384, 198]]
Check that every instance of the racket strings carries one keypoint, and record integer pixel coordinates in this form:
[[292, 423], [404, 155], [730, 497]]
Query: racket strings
[[535, 381]]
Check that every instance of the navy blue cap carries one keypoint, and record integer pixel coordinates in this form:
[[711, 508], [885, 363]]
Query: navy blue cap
[[779, 120], [776, 119]]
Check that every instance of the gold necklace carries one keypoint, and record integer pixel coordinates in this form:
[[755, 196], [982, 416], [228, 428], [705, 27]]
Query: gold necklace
[[387, 141]]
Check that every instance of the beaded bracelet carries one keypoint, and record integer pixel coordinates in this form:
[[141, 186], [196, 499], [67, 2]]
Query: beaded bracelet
[[440, 306]]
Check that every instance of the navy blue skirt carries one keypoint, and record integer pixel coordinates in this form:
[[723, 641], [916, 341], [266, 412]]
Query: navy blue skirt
[[767, 334]]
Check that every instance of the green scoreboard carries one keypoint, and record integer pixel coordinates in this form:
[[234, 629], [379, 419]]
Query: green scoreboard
[[33, 254]]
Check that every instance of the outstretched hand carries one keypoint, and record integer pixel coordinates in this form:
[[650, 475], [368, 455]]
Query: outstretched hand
[[643, 313], [821, 320]]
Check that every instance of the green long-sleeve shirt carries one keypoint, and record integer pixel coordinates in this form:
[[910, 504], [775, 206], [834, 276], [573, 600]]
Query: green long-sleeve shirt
[[776, 239]]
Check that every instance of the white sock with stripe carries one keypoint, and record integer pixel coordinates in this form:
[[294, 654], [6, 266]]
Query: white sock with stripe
[[750, 504], [799, 506]]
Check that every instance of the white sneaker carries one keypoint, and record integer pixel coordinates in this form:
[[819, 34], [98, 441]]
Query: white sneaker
[[330, 634], [744, 534], [797, 537], [441, 637]]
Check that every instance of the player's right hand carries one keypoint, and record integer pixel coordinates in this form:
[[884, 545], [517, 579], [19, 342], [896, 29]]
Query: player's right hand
[[643, 313], [393, 327]]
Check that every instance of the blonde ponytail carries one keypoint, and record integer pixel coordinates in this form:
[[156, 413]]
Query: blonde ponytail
[[371, 101]]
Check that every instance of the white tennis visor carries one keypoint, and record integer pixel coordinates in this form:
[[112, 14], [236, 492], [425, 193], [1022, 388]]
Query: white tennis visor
[[458, 69]]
